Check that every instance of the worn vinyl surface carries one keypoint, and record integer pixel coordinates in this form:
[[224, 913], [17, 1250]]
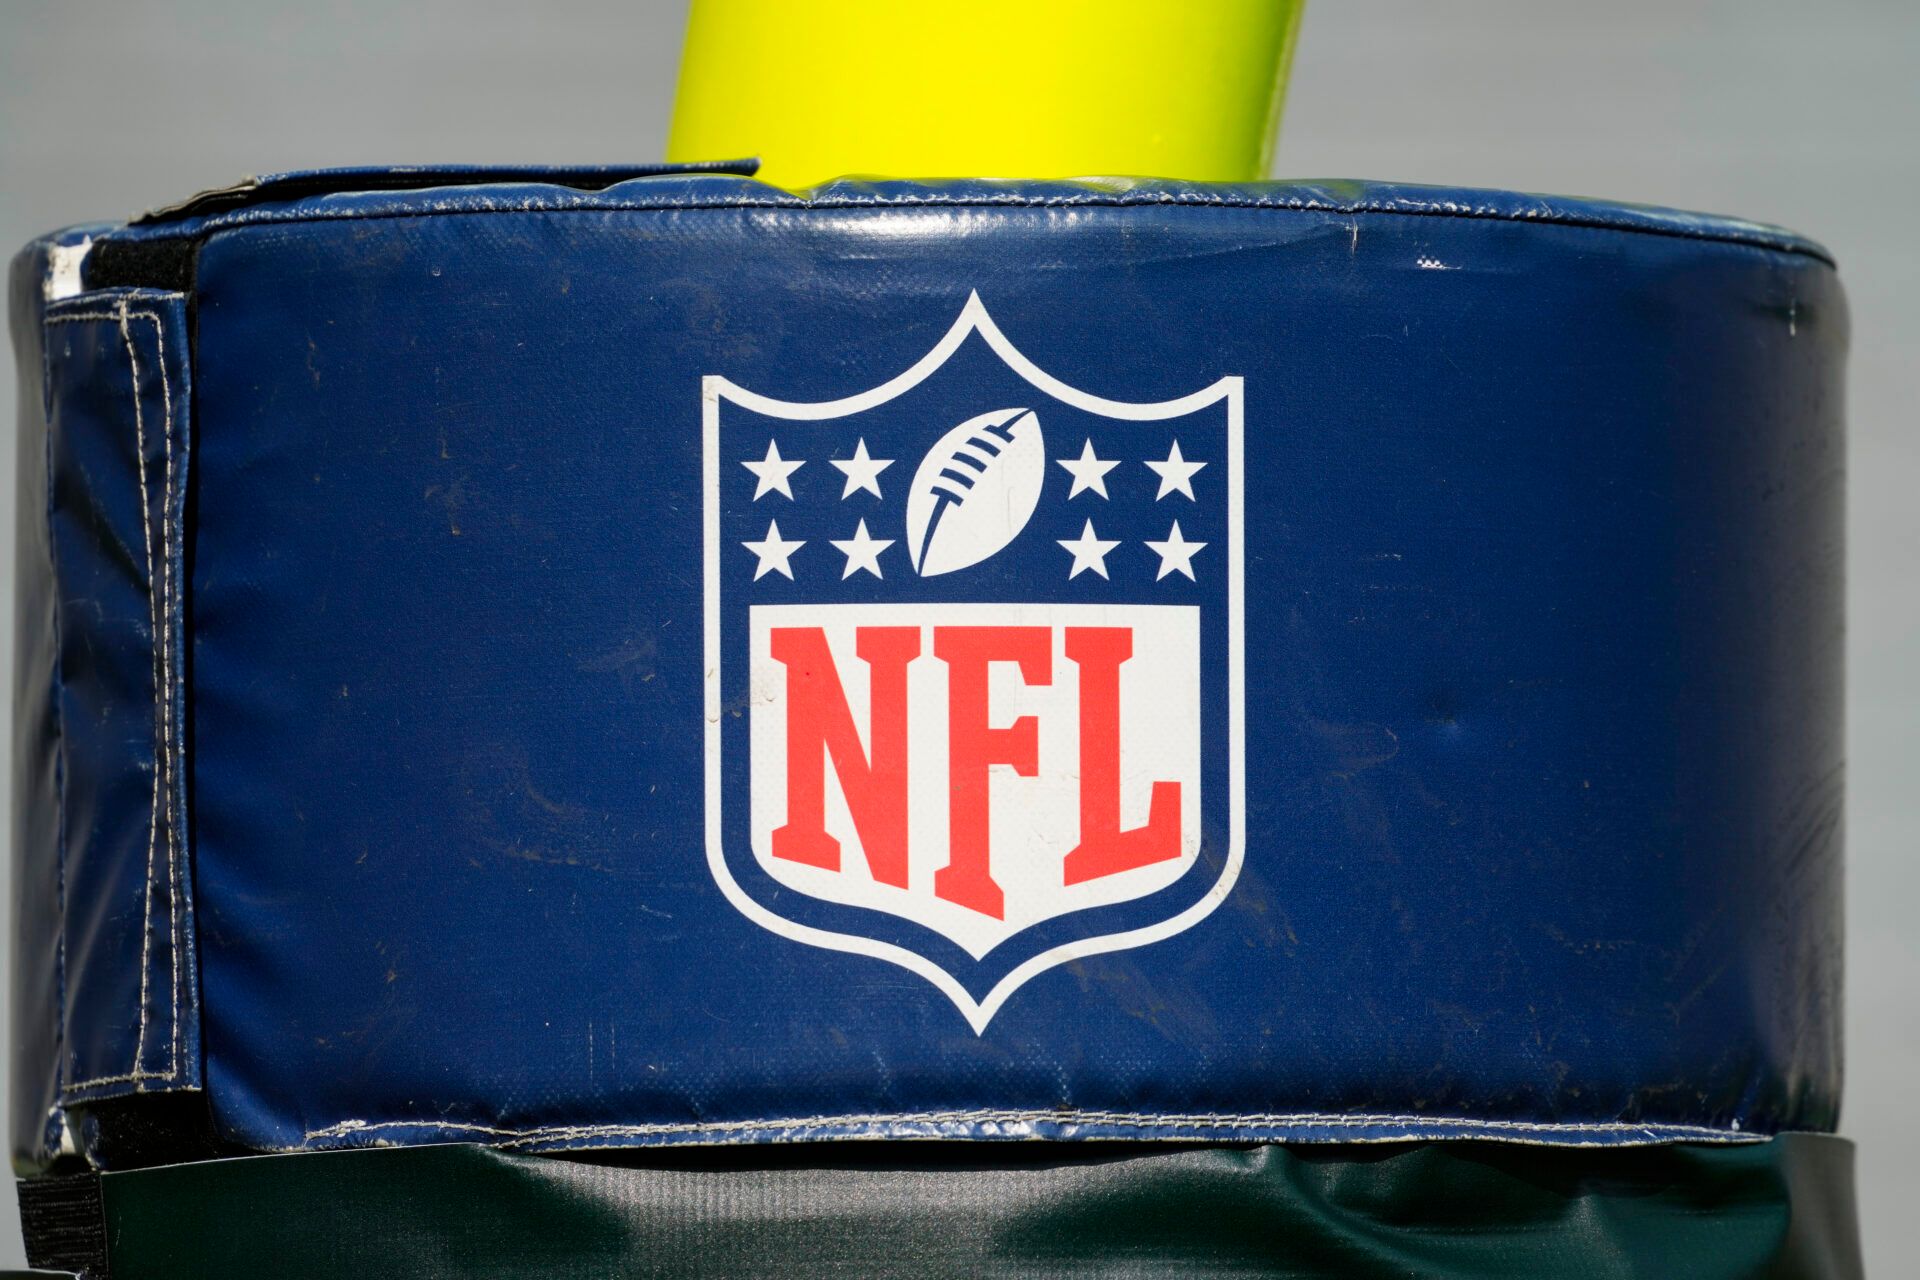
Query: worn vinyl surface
[[416, 787]]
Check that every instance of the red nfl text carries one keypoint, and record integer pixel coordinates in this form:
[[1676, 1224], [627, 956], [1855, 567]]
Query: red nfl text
[[821, 731]]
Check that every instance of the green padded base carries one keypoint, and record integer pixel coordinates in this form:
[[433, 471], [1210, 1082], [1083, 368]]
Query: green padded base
[[1782, 1208]]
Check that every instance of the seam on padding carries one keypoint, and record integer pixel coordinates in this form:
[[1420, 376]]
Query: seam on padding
[[1785, 242], [1145, 1125], [159, 594]]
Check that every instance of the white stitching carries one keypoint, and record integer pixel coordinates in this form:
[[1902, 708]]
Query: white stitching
[[1411, 1123], [78, 1086], [153, 813], [159, 596], [67, 316], [165, 641]]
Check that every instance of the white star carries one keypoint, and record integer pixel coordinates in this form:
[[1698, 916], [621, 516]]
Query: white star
[[1089, 552], [862, 551], [1176, 553], [862, 471], [773, 471], [1089, 471], [1176, 474], [774, 552]]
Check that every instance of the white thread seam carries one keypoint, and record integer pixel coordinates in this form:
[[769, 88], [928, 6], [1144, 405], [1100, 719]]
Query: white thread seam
[[159, 613], [68, 317], [153, 812], [165, 642], [1191, 1122], [79, 1086]]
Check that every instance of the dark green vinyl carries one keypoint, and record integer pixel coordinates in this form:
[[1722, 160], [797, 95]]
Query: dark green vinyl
[[1771, 1209]]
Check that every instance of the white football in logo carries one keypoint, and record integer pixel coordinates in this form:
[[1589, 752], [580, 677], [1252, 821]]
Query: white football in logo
[[975, 491]]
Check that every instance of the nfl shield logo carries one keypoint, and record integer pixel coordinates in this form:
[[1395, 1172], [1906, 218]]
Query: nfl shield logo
[[974, 664]]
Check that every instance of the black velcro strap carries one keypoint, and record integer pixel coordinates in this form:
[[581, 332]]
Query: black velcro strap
[[64, 1223]]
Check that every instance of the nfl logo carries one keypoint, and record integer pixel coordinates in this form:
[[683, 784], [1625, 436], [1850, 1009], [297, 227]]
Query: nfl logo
[[974, 665]]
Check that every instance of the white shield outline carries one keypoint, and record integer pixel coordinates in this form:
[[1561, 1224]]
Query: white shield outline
[[974, 319]]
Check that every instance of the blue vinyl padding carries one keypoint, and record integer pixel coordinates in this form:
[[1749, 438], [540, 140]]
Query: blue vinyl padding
[[366, 767]]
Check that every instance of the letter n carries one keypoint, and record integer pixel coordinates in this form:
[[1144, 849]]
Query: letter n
[[820, 725]]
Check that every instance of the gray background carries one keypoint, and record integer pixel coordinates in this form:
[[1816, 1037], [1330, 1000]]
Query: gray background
[[1807, 114]]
